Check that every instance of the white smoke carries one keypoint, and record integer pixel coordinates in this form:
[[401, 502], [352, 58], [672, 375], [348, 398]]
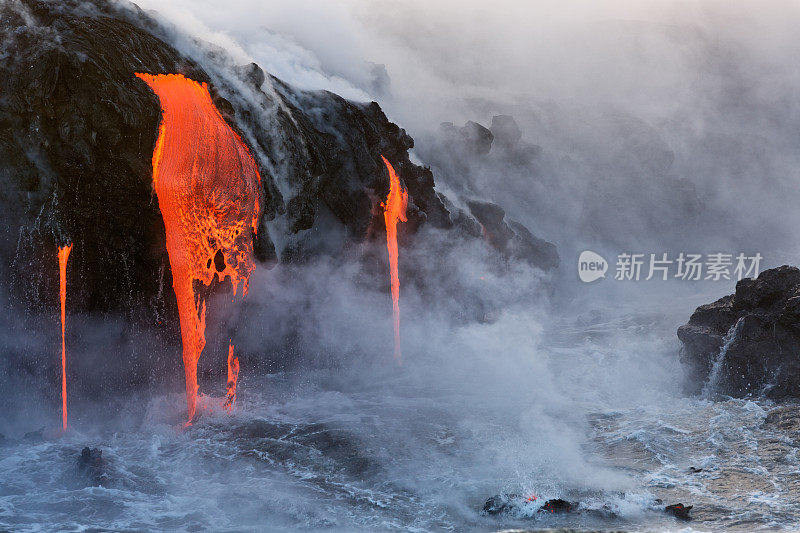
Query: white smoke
[[605, 88], [621, 96], [586, 82]]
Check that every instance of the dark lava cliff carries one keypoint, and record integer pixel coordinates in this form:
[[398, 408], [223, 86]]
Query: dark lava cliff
[[77, 137]]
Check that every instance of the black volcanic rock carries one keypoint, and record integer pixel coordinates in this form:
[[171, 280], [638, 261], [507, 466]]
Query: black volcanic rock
[[252, 74], [77, 128], [92, 465], [558, 506], [512, 239], [471, 139], [758, 328], [531, 507], [34, 436], [497, 504], [76, 144], [477, 138], [679, 511], [510, 504]]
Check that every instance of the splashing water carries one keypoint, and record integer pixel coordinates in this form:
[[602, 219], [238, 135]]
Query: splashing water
[[716, 367], [233, 377], [63, 255], [207, 185], [394, 210]]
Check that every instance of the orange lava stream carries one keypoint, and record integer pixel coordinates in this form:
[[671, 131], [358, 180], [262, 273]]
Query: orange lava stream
[[63, 255], [233, 377], [207, 185], [394, 210]]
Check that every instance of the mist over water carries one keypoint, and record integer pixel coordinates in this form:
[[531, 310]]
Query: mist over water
[[645, 127]]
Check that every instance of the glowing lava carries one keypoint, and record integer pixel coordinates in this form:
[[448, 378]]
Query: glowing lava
[[233, 377], [394, 210], [207, 185], [63, 255]]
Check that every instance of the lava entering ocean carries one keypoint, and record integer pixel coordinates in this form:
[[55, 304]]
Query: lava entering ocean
[[394, 210], [63, 255], [233, 377], [207, 185]]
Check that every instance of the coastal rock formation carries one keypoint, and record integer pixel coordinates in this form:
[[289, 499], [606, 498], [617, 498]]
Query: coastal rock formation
[[511, 238], [76, 146], [748, 343]]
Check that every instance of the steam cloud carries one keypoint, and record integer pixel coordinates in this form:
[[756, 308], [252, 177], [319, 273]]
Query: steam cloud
[[645, 127]]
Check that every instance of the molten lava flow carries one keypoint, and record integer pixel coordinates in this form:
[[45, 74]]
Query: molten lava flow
[[394, 210], [233, 377], [63, 255], [207, 185]]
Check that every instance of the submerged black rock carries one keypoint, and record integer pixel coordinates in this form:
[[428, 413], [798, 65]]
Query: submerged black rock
[[521, 506], [499, 504], [558, 506], [92, 466], [90, 458], [747, 343], [679, 511], [34, 436], [517, 506]]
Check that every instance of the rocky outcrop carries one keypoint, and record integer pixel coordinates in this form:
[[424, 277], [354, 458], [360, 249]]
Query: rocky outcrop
[[92, 466], [511, 238], [679, 511], [530, 507], [748, 343], [471, 138], [514, 504], [76, 143]]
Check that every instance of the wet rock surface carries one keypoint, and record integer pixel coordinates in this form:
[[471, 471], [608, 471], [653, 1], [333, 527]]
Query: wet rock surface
[[748, 343], [92, 466], [502, 503], [558, 506], [679, 511], [34, 437], [514, 505]]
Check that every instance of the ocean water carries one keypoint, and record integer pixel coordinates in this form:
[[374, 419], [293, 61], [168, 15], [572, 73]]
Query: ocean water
[[387, 448]]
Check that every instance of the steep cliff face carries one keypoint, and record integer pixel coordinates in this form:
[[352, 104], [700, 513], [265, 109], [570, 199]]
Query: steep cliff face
[[76, 145], [76, 130]]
